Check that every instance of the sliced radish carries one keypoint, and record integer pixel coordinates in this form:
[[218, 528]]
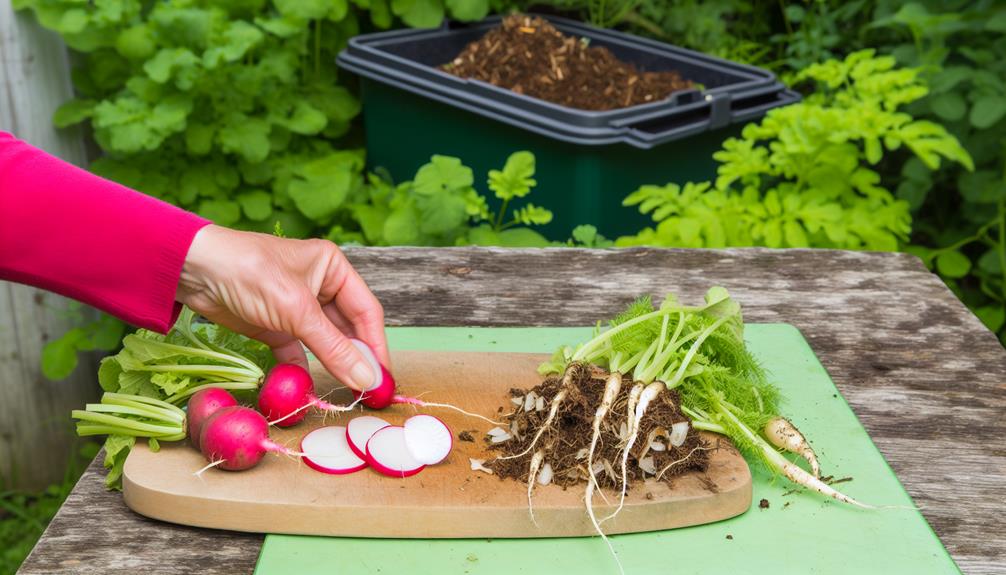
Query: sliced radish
[[428, 438], [388, 453], [326, 450], [360, 429]]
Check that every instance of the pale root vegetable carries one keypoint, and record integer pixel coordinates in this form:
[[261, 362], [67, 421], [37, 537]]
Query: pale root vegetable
[[611, 388], [649, 393], [359, 430], [237, 437], [327, 450], [536, 461], [201, 406], [783, 434], [287, 393], [388, 453], [381, 392], [428, 439], [556, 402]]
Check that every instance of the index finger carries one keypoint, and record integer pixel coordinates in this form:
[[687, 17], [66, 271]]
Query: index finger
[[361, 308]]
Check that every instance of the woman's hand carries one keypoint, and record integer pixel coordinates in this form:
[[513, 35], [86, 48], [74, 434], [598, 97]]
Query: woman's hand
[[283, 292]]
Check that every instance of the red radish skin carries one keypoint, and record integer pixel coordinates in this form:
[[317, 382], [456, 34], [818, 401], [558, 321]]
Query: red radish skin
[[238, 437], [327, 450], [388, 454], [201, 406], [381, 393], [359, 430], [428, 439], [287, 393]]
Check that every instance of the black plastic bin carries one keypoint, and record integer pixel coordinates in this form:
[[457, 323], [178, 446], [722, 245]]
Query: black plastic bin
[[587, 161]]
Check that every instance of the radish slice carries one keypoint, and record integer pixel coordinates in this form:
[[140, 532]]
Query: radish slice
[[428, 438], [360, 429], [388, 454], [326, 450]]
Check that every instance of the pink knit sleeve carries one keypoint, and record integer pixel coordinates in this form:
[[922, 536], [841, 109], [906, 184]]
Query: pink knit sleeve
[[66, 230]]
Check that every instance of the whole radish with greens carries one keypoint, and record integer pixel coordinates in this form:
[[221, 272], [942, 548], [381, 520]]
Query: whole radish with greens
[[231, 437]]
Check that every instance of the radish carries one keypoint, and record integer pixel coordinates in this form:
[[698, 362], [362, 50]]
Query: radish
[[201, 406], [381, 392], [287, 393], [235, 438], [783, 434], [388, 453], [326, 450], [359, 430], [428, 439]]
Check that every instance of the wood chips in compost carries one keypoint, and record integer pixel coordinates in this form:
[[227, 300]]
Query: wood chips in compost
[[567, 440], [530, 56]]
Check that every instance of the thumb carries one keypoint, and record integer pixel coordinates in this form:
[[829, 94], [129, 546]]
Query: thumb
[[333, 349]]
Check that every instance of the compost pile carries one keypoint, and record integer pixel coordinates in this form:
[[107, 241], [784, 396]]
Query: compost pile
[[566, 442], [530, 56]]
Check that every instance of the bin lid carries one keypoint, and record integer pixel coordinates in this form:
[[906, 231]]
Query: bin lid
[[410, 60]]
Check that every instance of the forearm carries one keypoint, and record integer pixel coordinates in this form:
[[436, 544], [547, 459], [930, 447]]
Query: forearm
[[66, 230]]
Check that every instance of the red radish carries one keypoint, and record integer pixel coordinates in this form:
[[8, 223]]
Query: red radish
[[326, 450], [237, 437], [428, 439], [359, 431], [381, 393], [201, 406], [388, 453], [287, 393]]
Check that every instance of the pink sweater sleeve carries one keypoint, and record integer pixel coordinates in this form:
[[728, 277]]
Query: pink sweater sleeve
[[66, 230]]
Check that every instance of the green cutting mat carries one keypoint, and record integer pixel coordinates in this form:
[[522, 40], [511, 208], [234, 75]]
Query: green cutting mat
[[798, 533]]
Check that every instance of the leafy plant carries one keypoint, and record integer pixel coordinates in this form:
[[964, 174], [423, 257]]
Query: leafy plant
[[24, 515], [60, 355], [961, 46], [441, 207], [805, 176]]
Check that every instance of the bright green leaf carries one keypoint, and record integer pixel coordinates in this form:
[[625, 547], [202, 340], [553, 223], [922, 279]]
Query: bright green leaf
[[953, 264], [73, 112]]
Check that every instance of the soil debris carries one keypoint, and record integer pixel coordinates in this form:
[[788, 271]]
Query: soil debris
[[763, 504], [567, 440], [467, 435], [530, 56]]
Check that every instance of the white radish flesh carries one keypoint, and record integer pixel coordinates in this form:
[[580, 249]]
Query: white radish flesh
[[477, 465], [388, 453], [359, 430], [428, 438], [496, 431], [545, 477], [679, 432], [327, 450]]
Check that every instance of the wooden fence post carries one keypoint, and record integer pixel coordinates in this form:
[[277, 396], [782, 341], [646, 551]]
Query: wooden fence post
[[36, 434]]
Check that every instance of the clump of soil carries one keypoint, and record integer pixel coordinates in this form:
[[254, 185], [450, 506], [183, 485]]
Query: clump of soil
[[529, 56], [567, 441]]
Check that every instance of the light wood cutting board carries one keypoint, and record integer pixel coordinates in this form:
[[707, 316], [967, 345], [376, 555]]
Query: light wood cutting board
[[283, 495]]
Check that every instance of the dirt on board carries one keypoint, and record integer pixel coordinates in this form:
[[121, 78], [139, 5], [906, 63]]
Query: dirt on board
[[566, 442], [530, 56]]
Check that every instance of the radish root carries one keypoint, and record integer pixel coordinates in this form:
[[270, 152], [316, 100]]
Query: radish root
[[418, 402], [536, 460], [649, 393], [783, 434], [199, 473]]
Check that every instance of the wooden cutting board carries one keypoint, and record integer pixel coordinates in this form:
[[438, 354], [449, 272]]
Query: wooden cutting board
[[283, 495]]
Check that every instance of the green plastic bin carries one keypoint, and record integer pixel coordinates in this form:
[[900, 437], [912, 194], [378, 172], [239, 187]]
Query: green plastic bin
[[587, 161]]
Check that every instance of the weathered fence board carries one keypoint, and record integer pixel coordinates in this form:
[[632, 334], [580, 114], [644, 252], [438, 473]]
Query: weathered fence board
[[36, 436]]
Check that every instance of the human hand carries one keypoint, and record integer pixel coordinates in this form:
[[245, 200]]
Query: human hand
[[283, 292]]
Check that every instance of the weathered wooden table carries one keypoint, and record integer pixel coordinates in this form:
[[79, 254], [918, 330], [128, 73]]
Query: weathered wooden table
[[924, 376]]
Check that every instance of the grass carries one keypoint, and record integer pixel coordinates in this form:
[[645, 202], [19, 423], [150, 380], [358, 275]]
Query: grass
[[25, 515]]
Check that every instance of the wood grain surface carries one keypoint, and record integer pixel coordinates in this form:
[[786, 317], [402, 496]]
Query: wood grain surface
[[924, 376]]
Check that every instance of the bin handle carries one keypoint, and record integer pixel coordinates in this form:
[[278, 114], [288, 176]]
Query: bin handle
[[710, 113]]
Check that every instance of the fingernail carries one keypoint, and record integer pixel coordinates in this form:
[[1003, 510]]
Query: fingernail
[[363, 376]]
